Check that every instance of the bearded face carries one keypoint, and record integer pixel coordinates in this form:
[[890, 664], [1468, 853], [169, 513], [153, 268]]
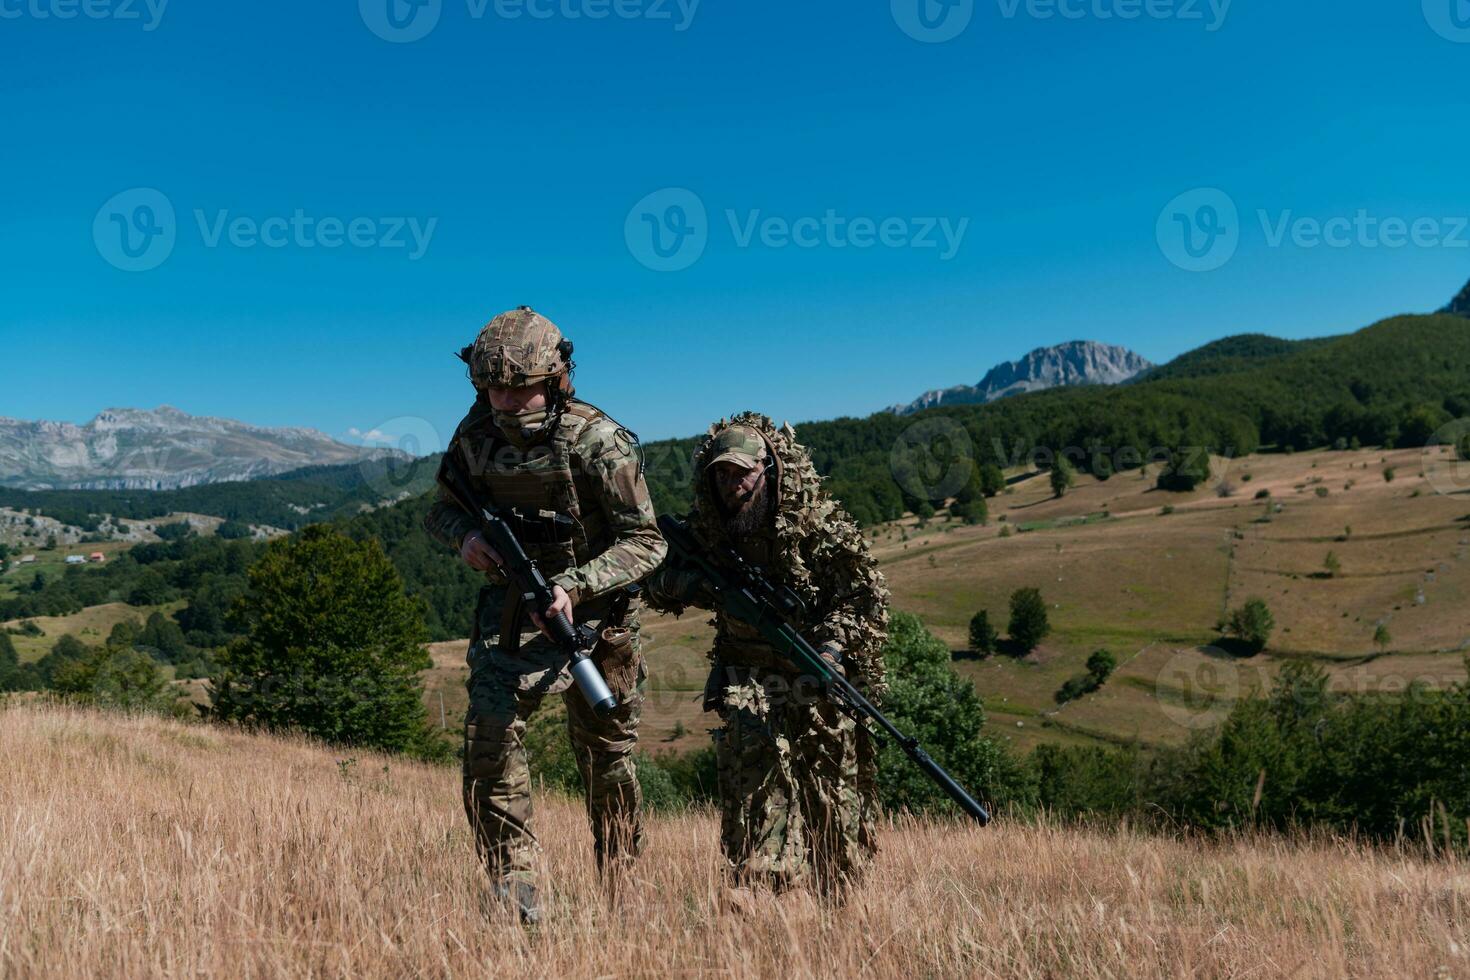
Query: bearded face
[[754, 515], [745, 498]]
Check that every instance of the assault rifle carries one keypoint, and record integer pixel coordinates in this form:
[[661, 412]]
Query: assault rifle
[[526, 578], [741, 590]]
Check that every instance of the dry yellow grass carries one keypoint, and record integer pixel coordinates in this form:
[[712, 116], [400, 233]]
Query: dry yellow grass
[[143, 847]]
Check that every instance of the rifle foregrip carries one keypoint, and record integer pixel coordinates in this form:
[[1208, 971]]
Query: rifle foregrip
[[561, 630]]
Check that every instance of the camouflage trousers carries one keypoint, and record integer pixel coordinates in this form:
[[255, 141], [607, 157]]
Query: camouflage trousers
[[793, 807], [505, 690]]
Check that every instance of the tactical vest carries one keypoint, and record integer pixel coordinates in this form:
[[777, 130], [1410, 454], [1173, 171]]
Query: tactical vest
[[543, 489]]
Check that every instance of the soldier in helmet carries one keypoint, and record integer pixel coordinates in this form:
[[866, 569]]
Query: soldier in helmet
[[570, 480], [797, 780]]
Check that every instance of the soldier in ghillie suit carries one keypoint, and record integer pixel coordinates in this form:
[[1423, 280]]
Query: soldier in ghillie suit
[[797, 779], [570, 481]]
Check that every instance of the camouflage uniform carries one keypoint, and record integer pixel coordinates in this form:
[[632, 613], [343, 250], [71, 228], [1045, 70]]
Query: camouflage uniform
[[797, 779], [576, 481]]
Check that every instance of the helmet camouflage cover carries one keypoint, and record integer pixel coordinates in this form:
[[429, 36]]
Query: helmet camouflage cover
[[516, 349]]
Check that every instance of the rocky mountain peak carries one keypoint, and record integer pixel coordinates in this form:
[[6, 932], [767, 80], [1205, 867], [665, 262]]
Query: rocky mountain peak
[[1077, 362], [158, 449], [1460, 305]]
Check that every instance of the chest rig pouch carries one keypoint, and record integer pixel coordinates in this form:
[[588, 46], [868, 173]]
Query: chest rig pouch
[[533, 488]]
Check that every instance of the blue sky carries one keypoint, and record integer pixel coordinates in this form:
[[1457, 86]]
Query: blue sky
[[1053, 139]]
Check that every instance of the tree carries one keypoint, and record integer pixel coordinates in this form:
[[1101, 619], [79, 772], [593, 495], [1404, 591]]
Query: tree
[[974, 511], [1063, 476], [9, 663], [67, 650], [1331, 565], [233, 530], [162, 639], [333, 647], [1101, 664], [1029, 623], [992, 479], [152, 589], [983, 636], [1100, 667], [115, 677], [1381, 638], [174, 532], [1252, 625], [1184, 470], [929, 701]]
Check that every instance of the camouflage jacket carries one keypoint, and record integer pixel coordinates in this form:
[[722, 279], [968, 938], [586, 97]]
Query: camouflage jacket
[[591, 527], [813, 547]]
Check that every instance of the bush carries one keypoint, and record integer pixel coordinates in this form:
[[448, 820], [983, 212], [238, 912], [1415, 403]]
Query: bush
[[1063, 476], [174, 532], [152, 589], [1252, 624], [932, 703], [1074, 781], [972, 512], [1184, 469], [992, 479], [115, 677], [1101, 664], [9, 664], [1377, 766], [333, 647], [233, 531], [1100, 667], [1029, 621], [983, 636]]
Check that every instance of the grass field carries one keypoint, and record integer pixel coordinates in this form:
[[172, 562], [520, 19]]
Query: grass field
[[1150, 587], [141, 847], [91, 626]]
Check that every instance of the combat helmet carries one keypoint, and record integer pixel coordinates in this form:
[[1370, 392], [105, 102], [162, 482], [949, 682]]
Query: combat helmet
[[519, 348]]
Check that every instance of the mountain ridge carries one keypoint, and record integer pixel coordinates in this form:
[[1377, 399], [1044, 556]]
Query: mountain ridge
[[1070, 364], [159, 449]]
